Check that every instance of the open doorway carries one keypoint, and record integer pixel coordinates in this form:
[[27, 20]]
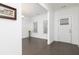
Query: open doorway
[[34, 28]]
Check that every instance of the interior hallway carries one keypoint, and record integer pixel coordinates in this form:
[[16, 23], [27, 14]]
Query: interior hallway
[[36, 46]]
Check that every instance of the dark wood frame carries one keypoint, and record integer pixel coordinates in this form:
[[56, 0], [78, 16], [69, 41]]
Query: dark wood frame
[[3, 5]]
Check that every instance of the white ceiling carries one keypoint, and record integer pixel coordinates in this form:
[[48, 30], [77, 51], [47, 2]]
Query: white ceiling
[[32, 9], [57, 6]]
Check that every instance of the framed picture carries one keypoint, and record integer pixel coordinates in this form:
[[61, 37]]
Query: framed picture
[[7, 12], [45, 26], [35, 27], [64, 21]]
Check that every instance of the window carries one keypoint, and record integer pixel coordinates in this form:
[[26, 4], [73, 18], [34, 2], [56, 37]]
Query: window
[[45, 24], [35, 27]]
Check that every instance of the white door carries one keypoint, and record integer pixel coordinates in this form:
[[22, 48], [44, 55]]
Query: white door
[[65, 30]]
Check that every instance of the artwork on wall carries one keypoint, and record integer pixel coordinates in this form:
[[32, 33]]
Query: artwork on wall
[[45, 26], [35, 27], [64, 21], [7, 12]]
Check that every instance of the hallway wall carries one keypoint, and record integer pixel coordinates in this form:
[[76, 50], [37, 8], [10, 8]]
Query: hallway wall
[[10, 34], [50, 26]]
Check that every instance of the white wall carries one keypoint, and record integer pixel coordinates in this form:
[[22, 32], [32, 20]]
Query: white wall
[[10, 34], [26, 26], [50, 26], [72, 12], [39, 19]]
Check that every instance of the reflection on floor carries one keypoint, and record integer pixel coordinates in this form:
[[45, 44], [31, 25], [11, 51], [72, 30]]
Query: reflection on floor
[[35, 46]]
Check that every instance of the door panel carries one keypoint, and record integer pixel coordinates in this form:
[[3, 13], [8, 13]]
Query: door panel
[[65, 31]]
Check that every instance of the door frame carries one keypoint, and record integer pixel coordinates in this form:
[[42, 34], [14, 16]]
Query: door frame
[[59, 29]]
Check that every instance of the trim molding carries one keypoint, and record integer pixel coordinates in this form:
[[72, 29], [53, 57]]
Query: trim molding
[[38, 38]]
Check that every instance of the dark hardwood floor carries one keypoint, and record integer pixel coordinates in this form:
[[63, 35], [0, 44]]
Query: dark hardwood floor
[[35, 46]]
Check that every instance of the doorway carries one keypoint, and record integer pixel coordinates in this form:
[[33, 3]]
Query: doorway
[[65, 29]]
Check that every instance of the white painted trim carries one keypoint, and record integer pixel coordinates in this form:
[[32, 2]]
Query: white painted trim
[[48, 42], [44, 6]]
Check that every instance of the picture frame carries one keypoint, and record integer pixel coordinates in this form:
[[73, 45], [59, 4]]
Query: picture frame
[[64, 21], [7, 12]]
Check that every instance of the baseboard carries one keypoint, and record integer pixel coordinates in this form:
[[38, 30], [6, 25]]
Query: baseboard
[[38, 38], [25, 38], [49, 43], [68, 43], [33, 37], [75, 44]]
